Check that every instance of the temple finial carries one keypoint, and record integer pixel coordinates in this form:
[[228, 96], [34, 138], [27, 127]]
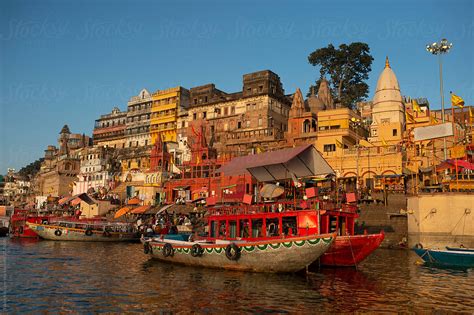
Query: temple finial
[[387, 63]]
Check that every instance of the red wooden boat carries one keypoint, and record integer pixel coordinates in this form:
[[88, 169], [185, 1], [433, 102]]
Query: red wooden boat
[[348, 249], [18, 226]]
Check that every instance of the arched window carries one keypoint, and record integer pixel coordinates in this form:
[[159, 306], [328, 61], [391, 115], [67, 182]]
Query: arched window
[[313, 125], [306, 126]]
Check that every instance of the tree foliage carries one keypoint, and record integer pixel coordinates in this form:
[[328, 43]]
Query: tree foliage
[[347, 67], [31, 169]]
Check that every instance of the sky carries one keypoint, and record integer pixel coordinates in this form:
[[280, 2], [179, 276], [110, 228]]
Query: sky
[[68, 62]]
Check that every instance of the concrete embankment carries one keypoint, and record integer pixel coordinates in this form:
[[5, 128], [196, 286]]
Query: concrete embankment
[[390, 218]]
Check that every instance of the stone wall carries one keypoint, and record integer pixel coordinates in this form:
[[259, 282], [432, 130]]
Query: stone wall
[[440, 220], [375, 217]]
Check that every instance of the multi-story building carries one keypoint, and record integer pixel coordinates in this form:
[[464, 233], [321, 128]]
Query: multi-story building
[[96, 170], [164, 113], [242, 122], [137, 132], [109, 129], [60, 166]]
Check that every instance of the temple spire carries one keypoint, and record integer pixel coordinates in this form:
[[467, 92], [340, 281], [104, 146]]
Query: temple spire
[[387, 63]]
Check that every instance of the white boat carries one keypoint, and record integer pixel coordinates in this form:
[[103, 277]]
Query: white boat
[[85, 231]]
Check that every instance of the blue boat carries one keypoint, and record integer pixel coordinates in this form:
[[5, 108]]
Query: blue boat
[[451, 257]]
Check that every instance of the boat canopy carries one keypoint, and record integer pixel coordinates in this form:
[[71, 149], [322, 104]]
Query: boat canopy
[[302, 161]]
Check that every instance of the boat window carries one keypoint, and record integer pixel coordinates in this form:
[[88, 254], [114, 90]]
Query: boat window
[[257, 227], [233, 229], [332, 224], [289, 225], [272, 227], [222, 228], [244, 228], [213, 229]]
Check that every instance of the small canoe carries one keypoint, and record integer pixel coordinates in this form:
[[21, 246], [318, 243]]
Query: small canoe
[[454, 258], [274, 256]]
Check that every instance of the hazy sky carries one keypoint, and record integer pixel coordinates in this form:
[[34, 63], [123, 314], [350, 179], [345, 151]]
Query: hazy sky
[[67, 62]]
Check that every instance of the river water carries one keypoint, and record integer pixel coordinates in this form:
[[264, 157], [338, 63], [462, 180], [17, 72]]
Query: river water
[[48, 276]]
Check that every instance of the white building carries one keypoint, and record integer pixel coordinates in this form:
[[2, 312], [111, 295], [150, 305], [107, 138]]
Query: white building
[[95, 170]]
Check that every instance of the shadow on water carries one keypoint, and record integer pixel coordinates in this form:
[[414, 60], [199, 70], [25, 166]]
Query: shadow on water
[[42, 276]]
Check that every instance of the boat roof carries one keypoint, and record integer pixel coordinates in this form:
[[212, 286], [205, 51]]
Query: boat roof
[[302, 161]]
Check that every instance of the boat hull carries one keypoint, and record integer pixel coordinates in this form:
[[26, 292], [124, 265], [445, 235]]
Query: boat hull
[[449, 258], [351, 250], [48, 232], [282, 255]]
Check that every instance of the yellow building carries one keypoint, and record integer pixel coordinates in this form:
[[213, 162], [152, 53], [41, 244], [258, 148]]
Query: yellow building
[[164, 112]]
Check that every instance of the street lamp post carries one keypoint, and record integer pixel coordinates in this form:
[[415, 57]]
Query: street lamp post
[[439, 49]]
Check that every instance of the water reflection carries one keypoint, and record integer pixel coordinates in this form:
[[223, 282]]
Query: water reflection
[[86, 277]]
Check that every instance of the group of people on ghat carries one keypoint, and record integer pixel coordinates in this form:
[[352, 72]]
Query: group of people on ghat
[[164, 223]]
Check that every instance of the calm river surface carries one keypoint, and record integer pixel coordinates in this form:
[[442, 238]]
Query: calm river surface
[[48, 276]]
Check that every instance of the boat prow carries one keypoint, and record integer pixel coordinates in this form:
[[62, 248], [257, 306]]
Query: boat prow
[[350, 250], [276, 255]]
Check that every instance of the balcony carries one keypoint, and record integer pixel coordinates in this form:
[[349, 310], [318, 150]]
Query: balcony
[[255, 135]]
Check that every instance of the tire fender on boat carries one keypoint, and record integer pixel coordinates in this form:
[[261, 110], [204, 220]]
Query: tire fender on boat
[[147, 248], [232, 251], [167, 250], [196, 250], [88, 232], [58, 232]]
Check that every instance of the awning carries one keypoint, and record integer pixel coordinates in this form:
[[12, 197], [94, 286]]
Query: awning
[[140, 209], [164, 208], [303, 161], [134, 201], [76, 201], [462, 163], [180, 188], [63, 200], [121, 212]]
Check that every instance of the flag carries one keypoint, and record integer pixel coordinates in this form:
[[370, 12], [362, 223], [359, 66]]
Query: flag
[[456, 100], [384, 143], [295, 181], [409, 117], [339, 144], [433, 120], [470, 113], [416, 107]]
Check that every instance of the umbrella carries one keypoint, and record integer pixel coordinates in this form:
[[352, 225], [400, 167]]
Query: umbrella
[[121, 212], [271, 191]]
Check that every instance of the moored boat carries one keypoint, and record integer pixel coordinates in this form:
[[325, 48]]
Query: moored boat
[[90, 231], [448, 258], [272, 255], [349, 249]]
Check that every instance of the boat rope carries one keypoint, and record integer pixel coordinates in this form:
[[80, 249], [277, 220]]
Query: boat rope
[[427, 252], [352, 252]]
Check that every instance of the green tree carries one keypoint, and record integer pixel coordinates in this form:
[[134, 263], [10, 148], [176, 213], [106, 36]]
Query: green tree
[[347, 67]]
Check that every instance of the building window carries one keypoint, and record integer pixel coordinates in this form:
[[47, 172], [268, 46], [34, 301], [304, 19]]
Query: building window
[[329, 148], [204, 114], [248, 123], [232, 110], [146, 142], [394, 132], [239, 125], [195, 101], [260, 121], [194, 116]]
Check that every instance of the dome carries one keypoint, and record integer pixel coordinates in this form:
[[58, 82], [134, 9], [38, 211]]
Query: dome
[[387, 93]]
